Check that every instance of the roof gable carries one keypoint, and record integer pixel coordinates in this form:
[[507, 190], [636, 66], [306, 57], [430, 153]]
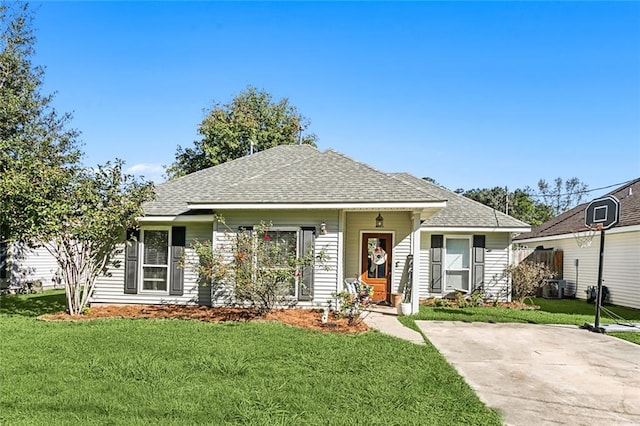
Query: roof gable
[[571, 220]]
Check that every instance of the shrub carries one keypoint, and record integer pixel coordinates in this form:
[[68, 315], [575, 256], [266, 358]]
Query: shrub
[[351, 305], [259, 268], [527, 277]]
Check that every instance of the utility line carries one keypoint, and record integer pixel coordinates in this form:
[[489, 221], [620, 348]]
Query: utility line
[[585, 191]]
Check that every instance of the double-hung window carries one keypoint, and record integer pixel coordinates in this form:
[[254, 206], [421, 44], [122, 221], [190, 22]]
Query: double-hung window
[[281, 246], [155, 259], [457, 263]]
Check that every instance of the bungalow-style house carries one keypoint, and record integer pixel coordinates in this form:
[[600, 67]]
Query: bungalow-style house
[[367, 223], [621, 267]]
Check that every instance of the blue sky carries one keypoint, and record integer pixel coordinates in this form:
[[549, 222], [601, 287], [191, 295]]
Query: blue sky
[[474, 95]]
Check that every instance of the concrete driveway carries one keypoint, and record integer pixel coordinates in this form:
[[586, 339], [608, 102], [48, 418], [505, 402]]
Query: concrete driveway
[[544, 374]]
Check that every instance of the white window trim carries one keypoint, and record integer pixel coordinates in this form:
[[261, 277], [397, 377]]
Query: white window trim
[[141, 264], [469, 238]]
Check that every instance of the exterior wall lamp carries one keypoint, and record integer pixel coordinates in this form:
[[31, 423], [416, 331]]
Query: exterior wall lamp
[[323, 228], [379, 221]]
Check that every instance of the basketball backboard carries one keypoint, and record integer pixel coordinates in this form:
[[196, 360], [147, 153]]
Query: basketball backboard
[[604, 211]]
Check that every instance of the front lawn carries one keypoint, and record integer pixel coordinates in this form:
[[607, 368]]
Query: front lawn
[[185, 372]]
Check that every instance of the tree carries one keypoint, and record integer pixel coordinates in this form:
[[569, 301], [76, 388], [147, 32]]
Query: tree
[[562, 196], [47, 197], [518, 204], [252, 121], [37, 150], [87, 225]]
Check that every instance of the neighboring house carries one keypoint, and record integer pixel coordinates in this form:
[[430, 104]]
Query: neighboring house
[[367, 223], [621, 266], [20, 264]]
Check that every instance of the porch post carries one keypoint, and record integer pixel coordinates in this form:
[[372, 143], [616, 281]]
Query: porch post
[[415, 250]]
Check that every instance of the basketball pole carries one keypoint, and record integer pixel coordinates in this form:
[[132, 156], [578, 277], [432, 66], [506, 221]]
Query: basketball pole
[[599, 294]]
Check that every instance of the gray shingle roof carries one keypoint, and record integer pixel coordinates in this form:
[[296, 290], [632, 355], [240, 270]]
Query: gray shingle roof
[[565, 223], [284, 174], [461, 211], [302, 174]]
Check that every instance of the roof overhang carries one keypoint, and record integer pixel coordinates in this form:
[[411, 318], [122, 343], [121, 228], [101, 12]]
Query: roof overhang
[[478, 229], [616, 230], [412, 205], [177, 218]]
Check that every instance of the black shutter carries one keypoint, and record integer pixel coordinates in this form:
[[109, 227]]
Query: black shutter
[[3, 259], [131, 262], [479, 244], [435, 260], [178, 240], [307, 241]]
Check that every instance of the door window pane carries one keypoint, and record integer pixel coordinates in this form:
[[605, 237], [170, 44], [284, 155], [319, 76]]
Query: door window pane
[[377, 259]]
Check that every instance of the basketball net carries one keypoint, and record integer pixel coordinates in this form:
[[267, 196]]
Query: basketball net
[[584, 236]]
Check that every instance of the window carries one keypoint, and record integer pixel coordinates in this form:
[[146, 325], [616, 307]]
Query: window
[[281, 247], [457, 263], [268, 258], [155, 259]]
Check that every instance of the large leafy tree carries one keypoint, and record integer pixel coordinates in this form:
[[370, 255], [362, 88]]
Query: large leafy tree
[[252, 121], [38, 152], [562, 195], [519, 203], [46, 197]]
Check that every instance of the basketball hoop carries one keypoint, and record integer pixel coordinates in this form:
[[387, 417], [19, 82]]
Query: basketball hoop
[[584, 236]]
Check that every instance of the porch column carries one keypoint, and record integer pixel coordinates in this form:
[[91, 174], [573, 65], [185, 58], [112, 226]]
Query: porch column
[[415, 250]]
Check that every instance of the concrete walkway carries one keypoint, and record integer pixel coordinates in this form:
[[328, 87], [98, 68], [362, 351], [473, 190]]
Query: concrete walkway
[[387, 323], [542, 374]]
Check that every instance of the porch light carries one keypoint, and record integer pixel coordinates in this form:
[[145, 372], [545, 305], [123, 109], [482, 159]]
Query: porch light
[[323, 228], [379, 221]]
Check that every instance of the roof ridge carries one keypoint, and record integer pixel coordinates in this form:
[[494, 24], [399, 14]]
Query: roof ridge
[[397, 177], [380, 172]]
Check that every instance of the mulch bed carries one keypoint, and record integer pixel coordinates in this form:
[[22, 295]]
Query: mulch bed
[[303, 318]]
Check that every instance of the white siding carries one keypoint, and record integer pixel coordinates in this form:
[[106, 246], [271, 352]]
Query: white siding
[[110, 289], [28, 264], [425, 272], [621, 268], [496, 259]]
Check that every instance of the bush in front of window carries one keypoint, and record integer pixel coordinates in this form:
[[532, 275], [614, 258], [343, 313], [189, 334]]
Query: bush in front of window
[[261, 267]]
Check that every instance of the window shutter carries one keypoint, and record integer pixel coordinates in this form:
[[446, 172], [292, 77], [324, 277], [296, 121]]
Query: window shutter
[[3, 259], [479, 243], [178, 241], [131, 262], [435, 260], [305, 287]]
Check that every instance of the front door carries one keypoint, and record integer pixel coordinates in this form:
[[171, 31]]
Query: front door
[[376, 262]]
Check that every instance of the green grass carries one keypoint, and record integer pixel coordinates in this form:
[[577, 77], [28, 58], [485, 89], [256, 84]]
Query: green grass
[[128, 372], [631, 337], [552, 311]]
